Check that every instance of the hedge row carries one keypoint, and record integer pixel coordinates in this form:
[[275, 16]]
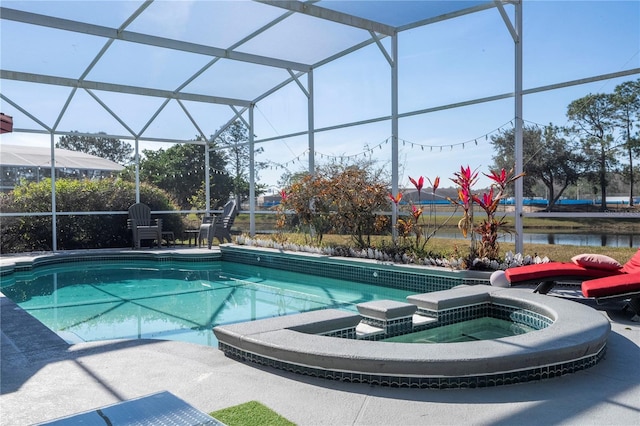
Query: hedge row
[[34, 233]]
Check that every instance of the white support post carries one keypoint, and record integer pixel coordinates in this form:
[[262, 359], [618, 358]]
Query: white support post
[[394, 131], [311, 123], [252, 177], [518, 128], [207, 179], [137, 156], [54, 218]]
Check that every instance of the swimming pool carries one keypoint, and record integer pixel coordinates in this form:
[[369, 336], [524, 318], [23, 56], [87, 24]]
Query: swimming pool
[[319, 340], [98, 300]]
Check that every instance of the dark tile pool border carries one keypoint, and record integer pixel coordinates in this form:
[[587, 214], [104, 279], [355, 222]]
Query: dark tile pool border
[[29, 262], [422, 382], [418, 279], [572, 337]]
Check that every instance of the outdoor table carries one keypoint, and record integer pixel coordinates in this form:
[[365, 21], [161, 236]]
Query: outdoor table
[[192, 233]]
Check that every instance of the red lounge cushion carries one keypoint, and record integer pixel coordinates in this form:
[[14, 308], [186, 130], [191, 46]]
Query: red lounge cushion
[[611, 286], [552, 271], [633, 265], [597, 261]]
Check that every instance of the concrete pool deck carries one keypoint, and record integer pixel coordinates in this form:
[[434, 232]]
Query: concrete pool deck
[[43, 378]]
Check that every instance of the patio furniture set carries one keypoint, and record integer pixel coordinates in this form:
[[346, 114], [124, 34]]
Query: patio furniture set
[[143, 227]]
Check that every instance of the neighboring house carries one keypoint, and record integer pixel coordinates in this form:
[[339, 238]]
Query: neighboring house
[[33, 164], [268, 201]]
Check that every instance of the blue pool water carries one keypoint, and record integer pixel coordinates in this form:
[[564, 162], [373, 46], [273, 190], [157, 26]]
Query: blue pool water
[[484, 328], [90, 301]]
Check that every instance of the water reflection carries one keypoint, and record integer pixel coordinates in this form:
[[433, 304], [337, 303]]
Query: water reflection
[[601, 240]]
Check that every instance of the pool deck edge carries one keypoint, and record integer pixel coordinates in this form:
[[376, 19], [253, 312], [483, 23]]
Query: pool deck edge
[[578, 333], [84, 376]]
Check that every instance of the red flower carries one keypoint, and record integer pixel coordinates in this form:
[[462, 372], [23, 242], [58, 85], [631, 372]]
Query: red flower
[[499, 178], [465, 178], [284, 195], [419, 184], [435, 184], [486, 200], [416, 212], [397, 198], [503, 178], [463, 195]]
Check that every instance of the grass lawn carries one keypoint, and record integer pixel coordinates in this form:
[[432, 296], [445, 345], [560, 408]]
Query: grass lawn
[[450, 247], [250, 413]]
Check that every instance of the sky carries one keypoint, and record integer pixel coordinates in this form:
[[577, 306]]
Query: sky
[[439, 64]]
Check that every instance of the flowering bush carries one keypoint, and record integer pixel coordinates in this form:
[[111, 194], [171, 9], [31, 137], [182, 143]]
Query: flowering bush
[[308, 199], [490, 226], [351, 200], [489, 202], [346, 200], [414, 224]]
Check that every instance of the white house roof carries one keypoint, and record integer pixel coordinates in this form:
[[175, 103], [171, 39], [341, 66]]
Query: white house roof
[[15, 155]]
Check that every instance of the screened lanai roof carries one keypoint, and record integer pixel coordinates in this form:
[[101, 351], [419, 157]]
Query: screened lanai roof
[[201, 61], [171, 71]]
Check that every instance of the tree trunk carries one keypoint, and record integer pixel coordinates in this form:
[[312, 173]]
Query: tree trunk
[[603, 179], [630, 175]]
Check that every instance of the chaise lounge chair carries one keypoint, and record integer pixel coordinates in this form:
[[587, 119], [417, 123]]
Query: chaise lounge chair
[[616, 287], [582, 268], [602, 277]]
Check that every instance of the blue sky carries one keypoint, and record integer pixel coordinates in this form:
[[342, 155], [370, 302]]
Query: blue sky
[[443, 63]]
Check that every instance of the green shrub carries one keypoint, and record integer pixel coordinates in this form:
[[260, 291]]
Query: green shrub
[[338, 198], [33, 233]]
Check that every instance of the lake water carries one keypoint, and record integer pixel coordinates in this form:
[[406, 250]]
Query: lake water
[[599, 240]]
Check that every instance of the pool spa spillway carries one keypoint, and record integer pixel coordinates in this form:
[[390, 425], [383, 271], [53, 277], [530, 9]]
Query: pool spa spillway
[[566, 337]]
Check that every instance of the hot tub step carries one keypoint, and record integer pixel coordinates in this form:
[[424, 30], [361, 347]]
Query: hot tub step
[[366, 330], [419, 320]]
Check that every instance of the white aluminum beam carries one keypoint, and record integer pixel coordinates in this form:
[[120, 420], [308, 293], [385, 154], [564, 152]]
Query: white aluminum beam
[[110, 111], [507, 21], [394, 133], [332, 15], [601, 77], [54, 208], [311, 124], [193, 121], [154, 116], [375, 37], [119, 88], [237, 115], [519, 148], [133, 37], [444, 17], [252, 178], [25, 112]]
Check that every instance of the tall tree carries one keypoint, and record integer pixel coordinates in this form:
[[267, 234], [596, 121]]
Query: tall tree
[[99, 145], [234, 144], [548, 158], [593, 119], [180, 171], [626, 114]]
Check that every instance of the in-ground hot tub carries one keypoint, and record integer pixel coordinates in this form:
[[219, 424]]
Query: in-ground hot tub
[[344, 346]]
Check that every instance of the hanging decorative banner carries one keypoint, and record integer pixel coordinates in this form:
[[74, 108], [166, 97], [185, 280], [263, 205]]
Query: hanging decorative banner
[[411, 145]]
